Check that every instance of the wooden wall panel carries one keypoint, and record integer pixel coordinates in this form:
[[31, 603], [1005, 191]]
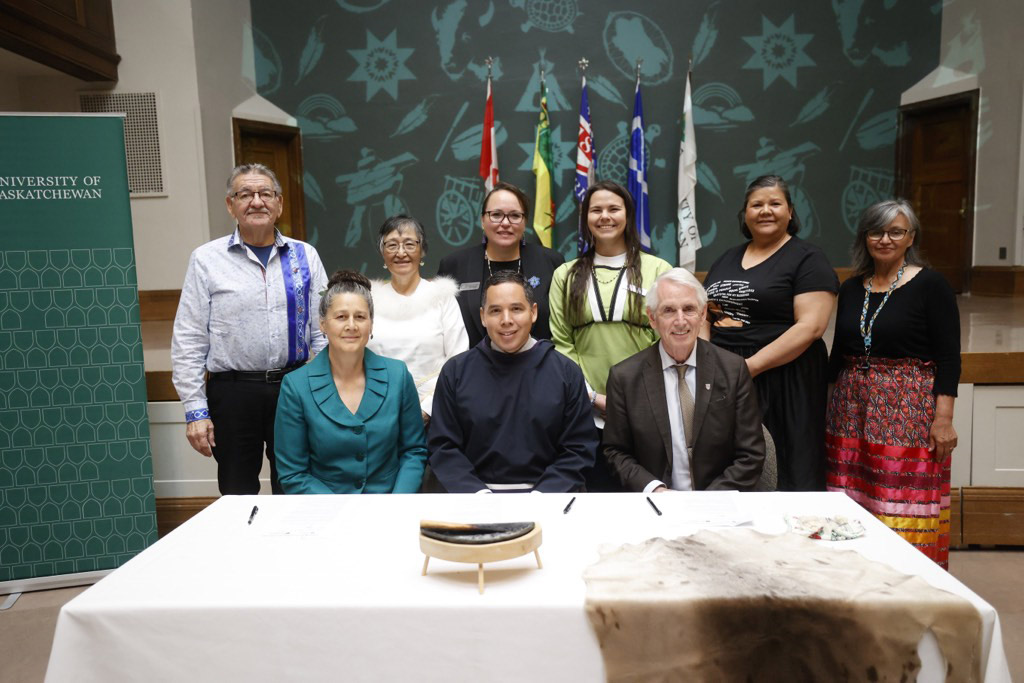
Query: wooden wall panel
[[992, 516], [173, 512], [158, 304], [997, 281], [75, 37]]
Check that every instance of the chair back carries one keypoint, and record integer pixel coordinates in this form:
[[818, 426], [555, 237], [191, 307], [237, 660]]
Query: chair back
[[770, 474]]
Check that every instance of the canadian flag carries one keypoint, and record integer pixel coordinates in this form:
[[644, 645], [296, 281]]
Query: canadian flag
[[488, 146]]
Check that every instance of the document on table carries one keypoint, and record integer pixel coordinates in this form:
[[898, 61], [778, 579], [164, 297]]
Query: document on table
[[311, 518], [703, 508]]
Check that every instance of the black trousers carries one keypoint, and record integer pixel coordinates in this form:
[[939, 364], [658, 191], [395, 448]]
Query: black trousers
[[243, 423]]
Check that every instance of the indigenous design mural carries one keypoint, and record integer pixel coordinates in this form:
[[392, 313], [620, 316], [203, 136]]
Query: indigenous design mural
[[390, 98]]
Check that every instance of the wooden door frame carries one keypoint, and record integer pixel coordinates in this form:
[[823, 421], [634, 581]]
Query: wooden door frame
[[292, 186], [902, 179]]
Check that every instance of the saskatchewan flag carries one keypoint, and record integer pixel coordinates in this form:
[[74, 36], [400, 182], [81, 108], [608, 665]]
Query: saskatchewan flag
[[544, 213]]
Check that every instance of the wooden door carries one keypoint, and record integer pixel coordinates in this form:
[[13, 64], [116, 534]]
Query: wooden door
[[935, 172], [280, 149]]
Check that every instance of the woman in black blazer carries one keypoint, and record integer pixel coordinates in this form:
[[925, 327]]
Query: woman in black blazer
[[503, 216]]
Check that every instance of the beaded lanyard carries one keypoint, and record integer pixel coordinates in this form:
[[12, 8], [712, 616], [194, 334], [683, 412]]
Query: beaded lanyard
[[865, 326]]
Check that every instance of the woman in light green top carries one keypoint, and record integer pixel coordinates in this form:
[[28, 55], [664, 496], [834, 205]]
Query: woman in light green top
[[598, 301]]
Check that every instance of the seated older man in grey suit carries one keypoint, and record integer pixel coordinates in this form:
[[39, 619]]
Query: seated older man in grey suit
[[682, 415]]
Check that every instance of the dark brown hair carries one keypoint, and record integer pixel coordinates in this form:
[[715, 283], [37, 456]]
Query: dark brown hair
[[504, 277], [346, 282], [524, 201], [759, 184], [575, 298]]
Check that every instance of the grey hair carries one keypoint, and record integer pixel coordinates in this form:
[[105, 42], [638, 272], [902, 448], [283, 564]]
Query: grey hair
[[680, 276], [345, 282], [879, 216], [245, 169], [396, 223]]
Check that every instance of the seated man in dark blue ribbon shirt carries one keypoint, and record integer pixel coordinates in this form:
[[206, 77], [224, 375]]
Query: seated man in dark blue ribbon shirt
[[511, 414]]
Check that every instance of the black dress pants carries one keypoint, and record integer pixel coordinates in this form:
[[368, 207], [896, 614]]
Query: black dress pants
[[243, 426]]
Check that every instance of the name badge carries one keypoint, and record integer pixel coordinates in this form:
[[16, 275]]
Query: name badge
[[641, 292], [468, 285]]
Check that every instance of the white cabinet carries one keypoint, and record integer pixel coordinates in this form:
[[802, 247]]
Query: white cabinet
[[997, 452]]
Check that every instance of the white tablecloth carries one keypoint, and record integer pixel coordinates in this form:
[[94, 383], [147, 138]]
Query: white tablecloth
[[329, 588]]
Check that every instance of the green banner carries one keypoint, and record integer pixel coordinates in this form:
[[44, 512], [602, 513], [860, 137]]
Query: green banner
[[76, 474]]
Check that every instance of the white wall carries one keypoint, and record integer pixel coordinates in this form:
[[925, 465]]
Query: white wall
[[154, 39], [223, 46]]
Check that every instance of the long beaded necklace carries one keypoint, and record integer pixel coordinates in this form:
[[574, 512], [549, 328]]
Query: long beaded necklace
[[865, 326], [519, 264]]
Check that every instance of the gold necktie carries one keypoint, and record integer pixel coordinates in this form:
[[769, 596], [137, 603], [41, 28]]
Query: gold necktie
[[686, 404]]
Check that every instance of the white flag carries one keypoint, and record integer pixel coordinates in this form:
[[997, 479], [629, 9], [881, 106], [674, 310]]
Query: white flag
[[688, 235]]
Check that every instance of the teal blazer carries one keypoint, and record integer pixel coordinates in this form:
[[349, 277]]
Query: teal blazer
[[321, 447]]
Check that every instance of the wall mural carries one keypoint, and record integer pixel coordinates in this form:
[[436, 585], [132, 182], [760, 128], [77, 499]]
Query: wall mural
[[390, 98]]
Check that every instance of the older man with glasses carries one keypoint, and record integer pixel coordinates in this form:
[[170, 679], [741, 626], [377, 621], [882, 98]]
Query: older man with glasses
[[244, 322], [683, 414]]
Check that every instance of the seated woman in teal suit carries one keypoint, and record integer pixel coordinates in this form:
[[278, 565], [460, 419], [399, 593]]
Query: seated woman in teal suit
[[349, 421]]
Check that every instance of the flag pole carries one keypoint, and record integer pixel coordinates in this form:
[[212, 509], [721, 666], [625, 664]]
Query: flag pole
[[688, 235], [583, 157]]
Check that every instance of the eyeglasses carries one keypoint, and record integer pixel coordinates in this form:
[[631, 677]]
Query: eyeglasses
[[496, 217], [246, 196], [669, 312], [895, 234], [409, 246]]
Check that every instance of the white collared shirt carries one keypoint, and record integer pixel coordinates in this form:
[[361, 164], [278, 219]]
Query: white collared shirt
[[236, 314], [682, 479]]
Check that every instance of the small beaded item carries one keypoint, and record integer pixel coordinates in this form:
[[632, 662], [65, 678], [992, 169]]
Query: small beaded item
[[865, 325]]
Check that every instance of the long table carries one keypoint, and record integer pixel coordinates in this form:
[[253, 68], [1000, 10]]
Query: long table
[[330, 588]]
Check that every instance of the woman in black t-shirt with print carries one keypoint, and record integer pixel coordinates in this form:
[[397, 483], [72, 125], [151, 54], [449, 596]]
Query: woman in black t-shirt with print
[[770, 300]]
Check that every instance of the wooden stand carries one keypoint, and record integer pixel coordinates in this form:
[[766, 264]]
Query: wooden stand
[[479, 554]]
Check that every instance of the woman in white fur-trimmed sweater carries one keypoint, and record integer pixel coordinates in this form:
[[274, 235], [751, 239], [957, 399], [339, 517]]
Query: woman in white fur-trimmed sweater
[[415, 320]]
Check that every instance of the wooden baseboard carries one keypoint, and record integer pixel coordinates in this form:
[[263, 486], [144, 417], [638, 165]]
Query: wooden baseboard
[[992, 516], [955, 518], [173, 512], [997, 280], [158, 304], [159, 386], [992, 368]]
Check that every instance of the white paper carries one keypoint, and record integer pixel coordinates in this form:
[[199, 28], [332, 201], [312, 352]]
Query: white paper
[[310, 519], [704, 508]]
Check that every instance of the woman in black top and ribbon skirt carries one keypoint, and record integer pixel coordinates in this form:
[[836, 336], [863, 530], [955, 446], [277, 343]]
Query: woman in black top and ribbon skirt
[[896, 365]]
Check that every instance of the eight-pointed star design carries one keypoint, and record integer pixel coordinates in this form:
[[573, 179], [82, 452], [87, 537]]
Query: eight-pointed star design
[[382, 65], [779, 51]]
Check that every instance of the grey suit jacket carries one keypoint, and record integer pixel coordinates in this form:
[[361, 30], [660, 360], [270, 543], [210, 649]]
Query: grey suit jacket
[[728, 446]]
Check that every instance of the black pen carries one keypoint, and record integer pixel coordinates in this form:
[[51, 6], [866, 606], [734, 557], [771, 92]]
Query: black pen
[[569, 506], [255, 509], [654, 506]]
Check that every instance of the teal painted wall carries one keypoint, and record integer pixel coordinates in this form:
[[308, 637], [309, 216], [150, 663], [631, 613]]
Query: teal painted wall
[[390, 98]]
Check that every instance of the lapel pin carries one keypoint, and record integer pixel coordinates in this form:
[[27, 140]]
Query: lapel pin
[[707, 387]]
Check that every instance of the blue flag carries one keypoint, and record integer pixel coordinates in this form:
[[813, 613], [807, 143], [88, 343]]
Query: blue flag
[[586, 163], [637, 179]]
